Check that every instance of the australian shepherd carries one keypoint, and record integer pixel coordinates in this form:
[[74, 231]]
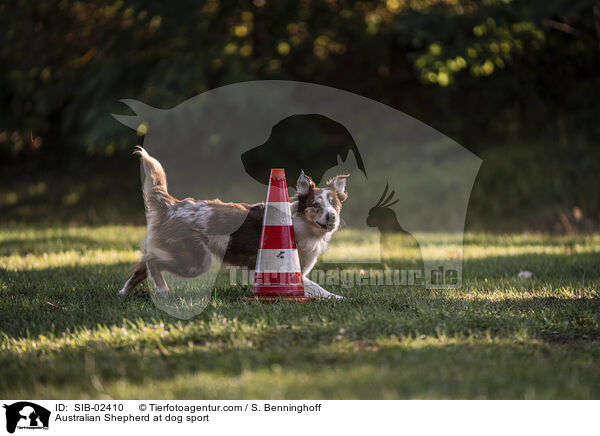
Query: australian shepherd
[[185, 236]]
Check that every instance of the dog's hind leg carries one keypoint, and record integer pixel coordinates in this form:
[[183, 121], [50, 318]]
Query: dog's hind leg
[[138, 275]]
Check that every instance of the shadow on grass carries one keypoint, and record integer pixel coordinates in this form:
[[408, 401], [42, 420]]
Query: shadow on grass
[[527, 239], [454, 370], [576, 269], [80, 297], [58, 244], [232, 337], [85, 297]]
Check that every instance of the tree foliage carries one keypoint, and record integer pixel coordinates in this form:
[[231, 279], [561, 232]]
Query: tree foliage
[[489, 73], [507, 65]]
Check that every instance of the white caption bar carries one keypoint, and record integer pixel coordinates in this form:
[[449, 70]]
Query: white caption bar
[[288, 418]]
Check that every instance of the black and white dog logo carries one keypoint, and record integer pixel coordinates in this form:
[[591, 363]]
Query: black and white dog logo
[[26, 415]]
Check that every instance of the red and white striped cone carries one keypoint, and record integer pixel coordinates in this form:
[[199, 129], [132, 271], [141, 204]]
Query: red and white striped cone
[[277, 275]]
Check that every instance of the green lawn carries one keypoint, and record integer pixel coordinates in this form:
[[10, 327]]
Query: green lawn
[[66, 334]]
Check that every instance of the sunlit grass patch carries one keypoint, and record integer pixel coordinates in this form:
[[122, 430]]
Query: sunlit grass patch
[[65, 332]]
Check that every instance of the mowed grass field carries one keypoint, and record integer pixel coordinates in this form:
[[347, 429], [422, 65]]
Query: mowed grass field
[[66, 334]]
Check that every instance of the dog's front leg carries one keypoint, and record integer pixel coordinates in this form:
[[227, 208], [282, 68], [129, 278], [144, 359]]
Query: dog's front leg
[[312, 289]]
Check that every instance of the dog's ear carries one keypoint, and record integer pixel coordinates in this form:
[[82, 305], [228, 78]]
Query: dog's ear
[[304, 185], [338, 183]]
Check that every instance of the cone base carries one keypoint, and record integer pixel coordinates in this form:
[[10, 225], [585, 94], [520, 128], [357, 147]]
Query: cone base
[[276, 298]]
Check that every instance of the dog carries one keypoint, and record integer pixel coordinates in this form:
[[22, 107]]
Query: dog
[[184, 236]]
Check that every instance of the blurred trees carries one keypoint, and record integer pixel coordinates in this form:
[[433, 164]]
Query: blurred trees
[[488, 73]]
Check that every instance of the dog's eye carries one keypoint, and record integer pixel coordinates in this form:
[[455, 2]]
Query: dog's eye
[[316, 205]]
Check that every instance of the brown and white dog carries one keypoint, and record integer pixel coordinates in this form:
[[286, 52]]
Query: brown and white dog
[[184, 236]]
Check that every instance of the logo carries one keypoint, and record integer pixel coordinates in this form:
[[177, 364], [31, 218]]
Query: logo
[[408, 189], [26, 415]]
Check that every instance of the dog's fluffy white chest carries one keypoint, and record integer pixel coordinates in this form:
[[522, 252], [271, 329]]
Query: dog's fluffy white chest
[[310, 244]]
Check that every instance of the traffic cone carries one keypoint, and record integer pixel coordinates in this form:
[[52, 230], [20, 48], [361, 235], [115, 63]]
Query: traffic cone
[[277, 275]]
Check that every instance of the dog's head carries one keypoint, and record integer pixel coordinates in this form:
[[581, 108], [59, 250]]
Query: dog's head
[[321, 207]]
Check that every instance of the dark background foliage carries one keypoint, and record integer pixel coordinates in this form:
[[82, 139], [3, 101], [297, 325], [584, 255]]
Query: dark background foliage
[[516, 82]]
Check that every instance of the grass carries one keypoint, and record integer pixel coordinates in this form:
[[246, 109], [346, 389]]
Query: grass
[[66, 334]]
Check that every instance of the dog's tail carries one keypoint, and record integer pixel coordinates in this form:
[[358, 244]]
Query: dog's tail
[[156, 196]]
